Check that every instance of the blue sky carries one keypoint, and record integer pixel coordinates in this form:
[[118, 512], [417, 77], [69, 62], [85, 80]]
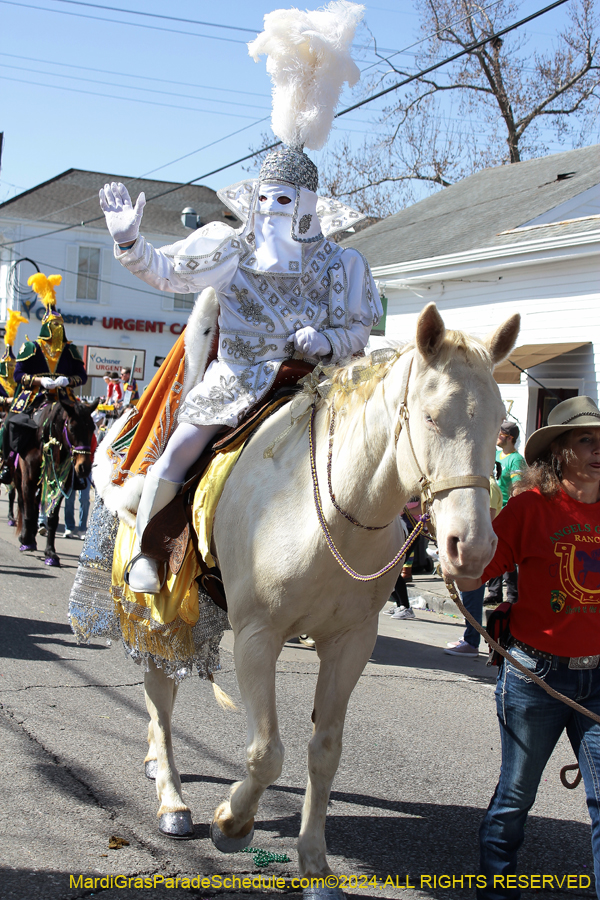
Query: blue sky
[[129, 99]]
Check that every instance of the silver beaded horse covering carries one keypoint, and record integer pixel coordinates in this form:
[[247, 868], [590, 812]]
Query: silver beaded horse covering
[[93, 613]]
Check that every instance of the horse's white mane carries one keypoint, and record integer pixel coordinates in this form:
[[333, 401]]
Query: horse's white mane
[[356, 381]]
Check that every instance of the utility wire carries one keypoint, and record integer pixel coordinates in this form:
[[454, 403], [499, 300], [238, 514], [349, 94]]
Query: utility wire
[[64, 87], [468, 49], [429, 36], [132, 87], [65, 12], [465, 50], [204, 87], [135, 12]]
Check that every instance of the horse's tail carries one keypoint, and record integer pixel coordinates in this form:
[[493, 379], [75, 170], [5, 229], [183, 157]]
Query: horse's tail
[[222, 698]]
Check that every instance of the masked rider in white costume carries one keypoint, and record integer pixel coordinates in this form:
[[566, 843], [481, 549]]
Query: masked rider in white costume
[[282, 288]]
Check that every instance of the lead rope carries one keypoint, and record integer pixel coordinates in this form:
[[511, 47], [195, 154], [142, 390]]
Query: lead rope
[[451, 587]]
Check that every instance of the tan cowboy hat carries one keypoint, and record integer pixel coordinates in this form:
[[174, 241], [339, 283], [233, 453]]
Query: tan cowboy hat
[[577, 412]]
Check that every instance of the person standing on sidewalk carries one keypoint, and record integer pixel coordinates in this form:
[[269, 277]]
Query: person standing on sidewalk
[[468, 645], [71, 531], [512, 465], [548, 530]]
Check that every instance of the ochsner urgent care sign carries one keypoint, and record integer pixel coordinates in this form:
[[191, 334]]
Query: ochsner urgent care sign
[[102, 361]]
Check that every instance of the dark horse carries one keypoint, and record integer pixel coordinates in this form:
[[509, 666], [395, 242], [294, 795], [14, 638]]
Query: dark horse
[[64, 435]]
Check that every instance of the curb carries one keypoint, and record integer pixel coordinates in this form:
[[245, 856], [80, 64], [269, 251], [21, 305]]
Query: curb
[[439, 604]]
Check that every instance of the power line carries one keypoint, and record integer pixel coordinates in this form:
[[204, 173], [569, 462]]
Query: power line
[[132, 87], [158, 168], [63, 87], [65, 12], [432, 35], [469, 49], [135, 12], [465, 50], [204, 87]]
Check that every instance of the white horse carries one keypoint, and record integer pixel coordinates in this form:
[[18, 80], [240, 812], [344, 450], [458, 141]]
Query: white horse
[[435, 409]]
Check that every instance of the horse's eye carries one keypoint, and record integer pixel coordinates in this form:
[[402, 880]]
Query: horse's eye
[[284, 200], [262, 197]]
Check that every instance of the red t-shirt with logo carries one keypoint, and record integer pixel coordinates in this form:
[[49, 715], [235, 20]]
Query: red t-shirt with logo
[[556, 544]]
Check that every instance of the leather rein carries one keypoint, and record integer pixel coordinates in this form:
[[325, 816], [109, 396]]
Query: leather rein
[[428, 490]]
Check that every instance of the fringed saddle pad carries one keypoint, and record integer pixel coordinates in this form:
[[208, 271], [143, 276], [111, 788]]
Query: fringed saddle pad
[[180, 640]]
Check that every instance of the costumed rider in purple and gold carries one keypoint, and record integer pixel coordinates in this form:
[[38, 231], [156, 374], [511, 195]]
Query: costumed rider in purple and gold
[[46, 369], [283, 286], [7, 363]]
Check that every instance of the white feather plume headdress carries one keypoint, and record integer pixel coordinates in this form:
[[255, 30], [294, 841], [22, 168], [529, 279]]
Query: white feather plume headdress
[[308, 59]]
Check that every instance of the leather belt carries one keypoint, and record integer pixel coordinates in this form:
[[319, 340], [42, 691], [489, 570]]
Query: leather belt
[[573, 662]]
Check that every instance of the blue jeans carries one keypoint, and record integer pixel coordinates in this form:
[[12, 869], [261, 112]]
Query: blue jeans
[[473, 601], [531, 723], [84, 508]]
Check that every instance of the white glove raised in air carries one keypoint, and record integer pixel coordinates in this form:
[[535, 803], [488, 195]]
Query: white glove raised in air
[[310, 342], [122, 218], [48, 383], [61, 381]]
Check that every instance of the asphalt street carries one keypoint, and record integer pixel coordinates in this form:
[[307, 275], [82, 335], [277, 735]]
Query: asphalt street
[[420, 762]]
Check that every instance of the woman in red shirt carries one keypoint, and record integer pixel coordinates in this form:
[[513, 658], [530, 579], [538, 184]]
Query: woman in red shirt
[[551, 530]]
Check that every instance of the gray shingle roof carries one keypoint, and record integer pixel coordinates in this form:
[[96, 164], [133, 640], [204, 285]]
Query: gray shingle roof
[[72, 198], [472, 213]]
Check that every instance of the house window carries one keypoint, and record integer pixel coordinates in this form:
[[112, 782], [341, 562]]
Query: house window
[[183, 301], [88, 272], [379, 329]]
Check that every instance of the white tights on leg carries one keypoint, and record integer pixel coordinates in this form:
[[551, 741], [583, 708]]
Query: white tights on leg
[[183, 449]]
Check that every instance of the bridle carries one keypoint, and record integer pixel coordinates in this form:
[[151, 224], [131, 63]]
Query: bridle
[[85, 449], [428, 490]]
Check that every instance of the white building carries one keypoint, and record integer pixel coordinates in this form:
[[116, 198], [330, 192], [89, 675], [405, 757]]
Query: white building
[[108, 313], [519, 238]]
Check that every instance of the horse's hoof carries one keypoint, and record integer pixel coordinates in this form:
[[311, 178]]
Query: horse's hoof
[[177, 825], [27, 548], [229, 845], [52, 561], [12, 523], [323, 893], [151, 770]]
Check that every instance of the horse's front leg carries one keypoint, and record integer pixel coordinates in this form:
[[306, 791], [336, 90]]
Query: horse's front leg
[[51, 557], [150, 762], [255, 655], [342, 661], [175, 818], [26, 484]]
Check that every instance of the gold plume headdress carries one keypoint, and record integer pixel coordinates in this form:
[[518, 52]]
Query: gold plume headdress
[[45, 287], [7, 363], [12, 326]]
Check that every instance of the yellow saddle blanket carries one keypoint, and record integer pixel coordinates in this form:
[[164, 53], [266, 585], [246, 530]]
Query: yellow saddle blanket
[[162, 623]]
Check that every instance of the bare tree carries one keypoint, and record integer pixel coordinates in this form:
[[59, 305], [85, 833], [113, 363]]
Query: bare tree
[[503, 98]]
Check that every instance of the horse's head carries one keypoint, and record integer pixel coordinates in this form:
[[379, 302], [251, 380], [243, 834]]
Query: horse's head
[[79, 432], [455, 414]]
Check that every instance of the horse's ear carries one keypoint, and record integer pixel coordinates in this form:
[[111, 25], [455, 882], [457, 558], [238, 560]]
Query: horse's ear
[[430, 332], [501, 341], [92, 406]]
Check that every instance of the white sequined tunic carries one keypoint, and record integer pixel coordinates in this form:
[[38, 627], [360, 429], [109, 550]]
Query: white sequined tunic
[[331, 289]]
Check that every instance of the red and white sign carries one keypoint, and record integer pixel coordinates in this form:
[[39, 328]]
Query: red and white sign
[[100, 361]]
